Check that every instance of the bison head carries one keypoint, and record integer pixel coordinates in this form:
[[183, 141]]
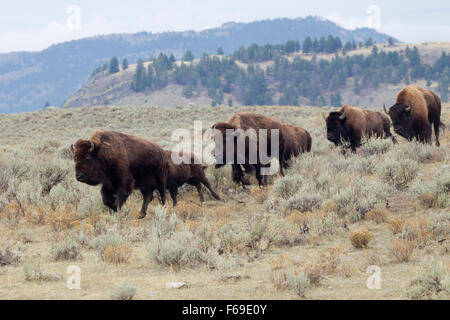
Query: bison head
[[400, 115], [336, 129], [221, 139], [88, 168]]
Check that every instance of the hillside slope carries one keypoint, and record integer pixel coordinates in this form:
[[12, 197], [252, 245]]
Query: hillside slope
[[104, 89], [29, 79]]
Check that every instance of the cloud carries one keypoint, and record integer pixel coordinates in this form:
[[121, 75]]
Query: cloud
[[56, 32], [417, 32], [347, 23]]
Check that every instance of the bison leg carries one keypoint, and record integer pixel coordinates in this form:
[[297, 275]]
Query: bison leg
[[436, 124], [205, 181], [259, 176], [283, 165], [121, 198], [109, 199], [148, 197], [238, 175], [196, 183], [173, 189], [161, 186]]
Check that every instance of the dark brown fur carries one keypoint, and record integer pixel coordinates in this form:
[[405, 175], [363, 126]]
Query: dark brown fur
[[297, 141], [245, 121], [121, 163], [355, 124], [193, 174], [415, 112]]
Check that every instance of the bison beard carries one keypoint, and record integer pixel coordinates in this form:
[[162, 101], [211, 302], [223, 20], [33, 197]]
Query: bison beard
[[121, 163], [415, 112], [351, 124]]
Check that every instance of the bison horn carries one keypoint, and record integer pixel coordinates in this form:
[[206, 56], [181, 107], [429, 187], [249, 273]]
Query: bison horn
[[384, 107], [324, 118], [344, 115], [408, 109], [72, 147], [92, 146]]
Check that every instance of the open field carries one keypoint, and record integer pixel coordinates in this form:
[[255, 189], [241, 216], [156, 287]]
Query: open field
[[311, 234]]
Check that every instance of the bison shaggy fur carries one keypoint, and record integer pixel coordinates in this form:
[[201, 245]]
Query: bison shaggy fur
[[297, 141], [121, 163], [415, 112], [351, 124], [246, 121]]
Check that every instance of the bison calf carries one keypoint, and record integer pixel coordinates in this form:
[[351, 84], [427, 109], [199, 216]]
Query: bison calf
[[121, 163], [191, 173], [351, 124]]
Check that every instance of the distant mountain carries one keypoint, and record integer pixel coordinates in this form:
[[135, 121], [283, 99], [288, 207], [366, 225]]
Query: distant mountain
[[30, 79]]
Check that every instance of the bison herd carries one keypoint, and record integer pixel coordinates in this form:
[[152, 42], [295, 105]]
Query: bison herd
[[121, 163]]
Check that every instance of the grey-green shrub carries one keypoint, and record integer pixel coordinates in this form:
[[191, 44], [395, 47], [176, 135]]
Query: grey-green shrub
[[422, 153], [123, 291], [33, 272], [433, 283], [181, 250], [109, 239], [66, 250], [439, 185], [304, 201], [298, 282], [51, 174], [398, 172], [358, 198], [374, 146]]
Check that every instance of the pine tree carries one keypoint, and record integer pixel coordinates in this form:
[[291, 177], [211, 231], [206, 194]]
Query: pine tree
[[113, 65], [307, 45], [188, 56], [125, 64], [140, 78], [336, 99]]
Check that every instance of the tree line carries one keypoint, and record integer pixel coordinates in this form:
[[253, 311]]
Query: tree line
[[289, 78]]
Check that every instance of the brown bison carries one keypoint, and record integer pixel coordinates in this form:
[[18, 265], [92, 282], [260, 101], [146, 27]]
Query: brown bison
[[121, 163], [191, 173], [245, 121], [414, 112], [297, 141], [350, 124]]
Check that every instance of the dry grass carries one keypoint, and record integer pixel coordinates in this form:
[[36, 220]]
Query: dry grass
[[377, 215], [117, 254], [361, 239], [402, 250]]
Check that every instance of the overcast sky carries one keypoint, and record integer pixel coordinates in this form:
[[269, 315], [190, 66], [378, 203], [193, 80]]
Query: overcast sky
[[31, 26]]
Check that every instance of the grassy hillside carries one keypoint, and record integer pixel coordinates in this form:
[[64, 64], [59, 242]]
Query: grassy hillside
[[115, 89], [294, 239]]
